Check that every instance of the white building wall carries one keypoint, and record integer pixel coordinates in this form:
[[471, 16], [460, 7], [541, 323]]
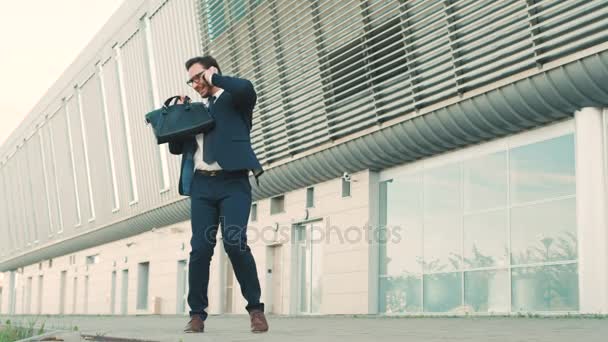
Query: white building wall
[[343, 223]]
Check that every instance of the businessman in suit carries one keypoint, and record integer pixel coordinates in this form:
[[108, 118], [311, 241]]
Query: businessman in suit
[[215, 174]]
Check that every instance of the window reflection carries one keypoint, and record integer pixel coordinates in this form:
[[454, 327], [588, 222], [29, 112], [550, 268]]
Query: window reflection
[[442, 292], [480, 219], [485, 182], [403, 231], [487, 291], [485, 239], [442, 191], [544, 232], [546, 288], [401, 293], [442, 244], [442, 219], [542, 170]]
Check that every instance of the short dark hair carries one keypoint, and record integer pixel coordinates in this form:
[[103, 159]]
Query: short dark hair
[[205, 61]]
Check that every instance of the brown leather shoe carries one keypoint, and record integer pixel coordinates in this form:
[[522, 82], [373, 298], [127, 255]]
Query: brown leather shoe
[[258, 321], [196, 325]]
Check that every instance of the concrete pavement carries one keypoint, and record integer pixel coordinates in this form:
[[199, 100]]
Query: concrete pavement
[[330, 328]]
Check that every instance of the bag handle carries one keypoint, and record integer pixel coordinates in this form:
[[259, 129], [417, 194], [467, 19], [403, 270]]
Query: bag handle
[[166, 104], [176, 98]]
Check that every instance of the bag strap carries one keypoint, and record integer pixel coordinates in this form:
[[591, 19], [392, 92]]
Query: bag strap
[[168, 101]]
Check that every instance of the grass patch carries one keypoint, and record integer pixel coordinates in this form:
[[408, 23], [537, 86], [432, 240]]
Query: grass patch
[[11, 333]]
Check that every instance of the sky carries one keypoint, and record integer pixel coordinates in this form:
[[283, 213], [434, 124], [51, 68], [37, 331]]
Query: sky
[[39, 39]]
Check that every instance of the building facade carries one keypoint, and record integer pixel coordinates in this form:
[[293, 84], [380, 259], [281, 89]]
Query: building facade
[[421, 156]]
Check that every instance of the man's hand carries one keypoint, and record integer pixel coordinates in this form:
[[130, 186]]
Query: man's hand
[[209, 74], [181, 100]]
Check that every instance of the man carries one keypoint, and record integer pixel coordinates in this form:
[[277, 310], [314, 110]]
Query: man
[[215, 174]]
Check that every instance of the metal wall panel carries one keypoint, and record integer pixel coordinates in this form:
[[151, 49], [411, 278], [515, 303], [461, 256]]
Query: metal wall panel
[[97, 143], [78, 156], [139, 102], [35, 192], [66, 188], [47, 159], [8, 244], [23, 201], [11, 204], [28, 171], [174, 40], [54, 177], [119, 137]]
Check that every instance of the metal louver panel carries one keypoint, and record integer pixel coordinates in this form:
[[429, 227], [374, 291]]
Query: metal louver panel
[[528, 103], [325, 70]]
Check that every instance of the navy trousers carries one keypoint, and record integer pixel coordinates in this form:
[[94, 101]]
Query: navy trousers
[[223, 200]]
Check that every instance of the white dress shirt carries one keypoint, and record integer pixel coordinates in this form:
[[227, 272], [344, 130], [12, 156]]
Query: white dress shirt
[[199, 163]]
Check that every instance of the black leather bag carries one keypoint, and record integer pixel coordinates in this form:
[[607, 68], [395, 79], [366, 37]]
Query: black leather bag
[[176, 122]]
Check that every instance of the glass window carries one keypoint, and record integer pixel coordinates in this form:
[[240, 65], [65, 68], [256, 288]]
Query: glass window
[[486, 239], [487, 291], [403, 227], [442, 292], [442, 190], [485, 182], [543, 170], [544, 232], [442, 219], [489, 217], [345, 187], [143, 275], [277, 205], [546, 288], [310, 197], [400, 294]]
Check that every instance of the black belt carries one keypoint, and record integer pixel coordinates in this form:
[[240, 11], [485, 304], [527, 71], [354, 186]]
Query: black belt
[[222, 173]]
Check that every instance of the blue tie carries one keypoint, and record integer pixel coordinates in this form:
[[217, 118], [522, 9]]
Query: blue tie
[[207, 151]]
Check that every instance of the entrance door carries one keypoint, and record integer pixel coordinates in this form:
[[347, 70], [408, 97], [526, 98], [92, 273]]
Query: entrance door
[[12, 293], [309, 258], [113, 294], [182, 286], [124, 296], [86, 295], [74, 294], [63, 291], [274, 291], [28, 298], [40, 294]]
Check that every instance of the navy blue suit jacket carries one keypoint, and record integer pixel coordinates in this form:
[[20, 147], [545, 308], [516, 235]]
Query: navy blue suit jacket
[[230, 138]]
